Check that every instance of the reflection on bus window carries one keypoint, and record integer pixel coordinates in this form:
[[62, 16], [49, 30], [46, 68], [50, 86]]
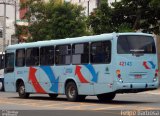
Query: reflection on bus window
[[32, 57], [47, 55], [63, 54], [101, 52], [9, 63], [80, 53], [20, 57]]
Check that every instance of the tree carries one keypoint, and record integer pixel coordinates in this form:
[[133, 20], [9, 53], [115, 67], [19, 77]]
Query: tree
[[100, 20], [55, 20], [128, 15]]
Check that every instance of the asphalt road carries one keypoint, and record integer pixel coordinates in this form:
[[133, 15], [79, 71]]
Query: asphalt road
[[42, 105]]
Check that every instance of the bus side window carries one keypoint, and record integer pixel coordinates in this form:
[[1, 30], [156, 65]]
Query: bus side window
[[9, 62], [101, 52], [47, 55], [80, 53], [63, 54], [20, 57], [32, 57]]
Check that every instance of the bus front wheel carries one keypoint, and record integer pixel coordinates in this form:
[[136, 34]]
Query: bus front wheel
[[71, 91], [106, 97], [21, 91]]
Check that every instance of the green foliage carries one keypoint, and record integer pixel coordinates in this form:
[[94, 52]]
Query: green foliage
[[21, 30], [55, 20], [125, 27], [100, 20], [126, 15]]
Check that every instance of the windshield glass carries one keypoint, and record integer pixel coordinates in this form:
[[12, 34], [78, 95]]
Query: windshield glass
[[129, 44]]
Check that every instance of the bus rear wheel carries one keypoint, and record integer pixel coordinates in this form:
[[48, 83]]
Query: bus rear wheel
[[21, 91], [53, 96], [106, 97]]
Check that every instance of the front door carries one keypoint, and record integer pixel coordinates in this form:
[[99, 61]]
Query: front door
[[9, 77]]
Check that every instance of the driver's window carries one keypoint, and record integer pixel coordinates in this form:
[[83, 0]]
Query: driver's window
[[9, 62]]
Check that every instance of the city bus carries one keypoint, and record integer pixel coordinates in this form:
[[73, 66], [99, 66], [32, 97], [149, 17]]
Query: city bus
[[100, 65]]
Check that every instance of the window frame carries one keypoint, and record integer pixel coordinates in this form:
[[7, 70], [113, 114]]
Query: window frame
[[63, 55], [6, 69], [139, 53], [24, 58], [110, 53], [73, 45], [40, 63], [32, 56]]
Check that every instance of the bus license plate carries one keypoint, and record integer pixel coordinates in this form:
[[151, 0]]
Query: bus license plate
[[138, 76]]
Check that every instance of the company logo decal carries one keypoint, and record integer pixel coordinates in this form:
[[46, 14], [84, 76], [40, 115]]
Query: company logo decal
[[149, 65]]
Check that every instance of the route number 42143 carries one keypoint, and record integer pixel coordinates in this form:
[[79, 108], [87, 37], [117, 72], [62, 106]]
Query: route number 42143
[[122, 63]]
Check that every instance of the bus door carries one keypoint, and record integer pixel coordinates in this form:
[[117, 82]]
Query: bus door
[[137, 59], [9, 76]]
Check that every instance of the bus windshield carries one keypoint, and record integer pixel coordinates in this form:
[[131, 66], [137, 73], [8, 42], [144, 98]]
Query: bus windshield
[[131, 44]]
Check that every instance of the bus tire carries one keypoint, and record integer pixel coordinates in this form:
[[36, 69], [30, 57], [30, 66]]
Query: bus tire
[[53, 96], [71, 91], [106, 97], [21, 91]]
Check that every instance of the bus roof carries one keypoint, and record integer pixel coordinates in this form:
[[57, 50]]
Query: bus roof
[[71, 40]]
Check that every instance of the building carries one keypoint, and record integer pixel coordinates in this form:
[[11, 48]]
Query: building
[[11, 14], [89, 5]]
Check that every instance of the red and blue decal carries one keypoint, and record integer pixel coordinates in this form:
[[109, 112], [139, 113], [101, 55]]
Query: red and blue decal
[[48, 71], [54, 81], [79, 74], [91, 69], [93, 72], [34, 81], [149, 65]]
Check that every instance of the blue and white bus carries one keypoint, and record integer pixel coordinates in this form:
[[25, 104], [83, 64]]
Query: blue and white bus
[[101, 65]]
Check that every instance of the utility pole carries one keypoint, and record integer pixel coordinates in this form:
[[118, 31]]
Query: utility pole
[[15, 16], [88, 3], [4, 27]]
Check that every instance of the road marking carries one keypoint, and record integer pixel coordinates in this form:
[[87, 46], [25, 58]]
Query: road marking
[[80, 106], [106, 108], [53, 105], [107, 112]]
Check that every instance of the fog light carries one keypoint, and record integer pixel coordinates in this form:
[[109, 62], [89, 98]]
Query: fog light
[[154, 79]]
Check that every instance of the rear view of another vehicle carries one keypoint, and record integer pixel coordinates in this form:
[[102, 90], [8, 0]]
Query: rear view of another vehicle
[[137, 64]]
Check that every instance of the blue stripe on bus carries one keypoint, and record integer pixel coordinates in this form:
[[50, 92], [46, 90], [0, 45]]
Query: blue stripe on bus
[[51, 77]]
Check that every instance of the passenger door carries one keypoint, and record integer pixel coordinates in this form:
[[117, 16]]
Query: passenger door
[[9, 76]]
